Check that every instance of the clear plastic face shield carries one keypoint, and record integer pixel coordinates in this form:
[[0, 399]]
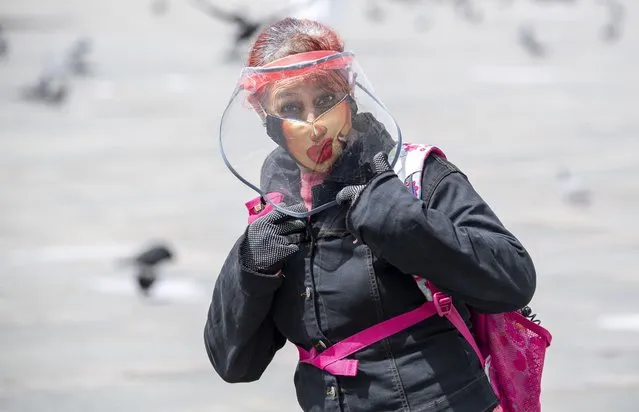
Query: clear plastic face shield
[[305, 126]]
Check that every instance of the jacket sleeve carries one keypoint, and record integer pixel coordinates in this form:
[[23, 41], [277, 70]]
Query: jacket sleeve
[[240, 335], [452, 238]]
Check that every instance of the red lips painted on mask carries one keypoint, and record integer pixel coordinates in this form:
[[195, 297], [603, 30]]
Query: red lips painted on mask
[[322, 152]]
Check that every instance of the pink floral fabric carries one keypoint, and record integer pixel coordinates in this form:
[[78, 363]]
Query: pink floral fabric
[[409, 147], [514, 349]]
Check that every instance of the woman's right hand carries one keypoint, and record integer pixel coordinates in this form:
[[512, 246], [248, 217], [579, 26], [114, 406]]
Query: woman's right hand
[[267, 243]]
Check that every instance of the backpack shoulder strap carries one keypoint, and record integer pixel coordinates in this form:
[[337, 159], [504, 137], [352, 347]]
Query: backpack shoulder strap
[[410, 164], [410, 169]]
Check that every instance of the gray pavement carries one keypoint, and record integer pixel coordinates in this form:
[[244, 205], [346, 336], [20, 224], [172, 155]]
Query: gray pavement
[[133, 157]]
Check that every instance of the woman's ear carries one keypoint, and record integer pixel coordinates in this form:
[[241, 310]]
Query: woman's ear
[[353, 82], [274, 130], [353, 104]]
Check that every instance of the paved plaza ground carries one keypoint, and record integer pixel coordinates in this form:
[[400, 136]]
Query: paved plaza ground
[[133, 157]]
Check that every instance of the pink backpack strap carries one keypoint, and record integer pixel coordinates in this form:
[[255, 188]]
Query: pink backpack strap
[[410, 168], [332, 359], [444, 305]]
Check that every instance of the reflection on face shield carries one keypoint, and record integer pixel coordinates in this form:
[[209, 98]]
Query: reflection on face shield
[[315, 145]]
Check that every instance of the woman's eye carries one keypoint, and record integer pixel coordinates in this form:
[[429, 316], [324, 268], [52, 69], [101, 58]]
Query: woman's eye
[[288, 109], [326, 100]]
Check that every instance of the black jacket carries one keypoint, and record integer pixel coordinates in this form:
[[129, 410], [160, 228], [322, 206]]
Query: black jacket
[[333, 288]]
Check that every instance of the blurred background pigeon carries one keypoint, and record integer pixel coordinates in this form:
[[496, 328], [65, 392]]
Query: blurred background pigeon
[[612, 29], [528, 40], [77, 58], [246, 27], [4, 44], [573, 190], [373, 11], [52, 86], [146, 264], [159, 7], [468, 11]]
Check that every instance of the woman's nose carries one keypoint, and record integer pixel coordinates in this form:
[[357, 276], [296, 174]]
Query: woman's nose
[[319, 131], [310, 117]]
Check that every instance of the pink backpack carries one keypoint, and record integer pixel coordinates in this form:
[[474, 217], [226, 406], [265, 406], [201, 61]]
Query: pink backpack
[[510, 347]]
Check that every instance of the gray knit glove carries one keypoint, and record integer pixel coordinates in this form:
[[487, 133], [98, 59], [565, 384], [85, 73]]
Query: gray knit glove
[[350, 194], [268, 241]]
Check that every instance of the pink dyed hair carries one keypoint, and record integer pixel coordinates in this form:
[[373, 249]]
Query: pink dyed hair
[[291, 36]]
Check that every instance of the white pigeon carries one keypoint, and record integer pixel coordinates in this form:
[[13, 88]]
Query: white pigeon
[[573, 190]]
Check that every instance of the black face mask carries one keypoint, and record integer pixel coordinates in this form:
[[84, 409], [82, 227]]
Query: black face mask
[[274, 130]]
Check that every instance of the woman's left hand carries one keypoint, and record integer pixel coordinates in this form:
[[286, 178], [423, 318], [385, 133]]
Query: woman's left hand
[[350, 194]]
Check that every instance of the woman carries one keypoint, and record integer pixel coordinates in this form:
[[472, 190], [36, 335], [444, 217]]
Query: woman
[[337, 254]]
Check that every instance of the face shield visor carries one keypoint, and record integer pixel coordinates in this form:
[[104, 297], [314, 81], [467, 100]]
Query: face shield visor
[[305, 126]]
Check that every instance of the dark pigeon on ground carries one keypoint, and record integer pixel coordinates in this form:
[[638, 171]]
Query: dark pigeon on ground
[[52, 86], [147, 263]]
